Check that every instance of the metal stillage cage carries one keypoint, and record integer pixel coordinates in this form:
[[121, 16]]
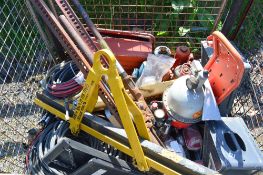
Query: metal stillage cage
[[24, 57]]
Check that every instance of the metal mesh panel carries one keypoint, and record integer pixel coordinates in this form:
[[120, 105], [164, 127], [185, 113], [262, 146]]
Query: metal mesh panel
[[249, 99], [23, 59], [173, 23]]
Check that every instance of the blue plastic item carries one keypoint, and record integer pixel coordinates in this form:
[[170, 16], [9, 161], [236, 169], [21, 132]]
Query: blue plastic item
[[138, 72]]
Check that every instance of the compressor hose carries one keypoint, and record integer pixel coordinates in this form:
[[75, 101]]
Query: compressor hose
[[50, 135], [63, 80], [47, 139]]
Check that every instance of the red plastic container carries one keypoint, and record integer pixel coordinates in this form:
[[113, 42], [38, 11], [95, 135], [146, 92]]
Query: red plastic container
[[182, 54], [192, 138], [130, 48], [130, 53]]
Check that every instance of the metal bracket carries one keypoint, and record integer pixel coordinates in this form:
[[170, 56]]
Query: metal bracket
[[98, 160]]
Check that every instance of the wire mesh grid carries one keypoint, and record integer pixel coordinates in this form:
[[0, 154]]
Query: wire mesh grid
[[173, 23], [23, 60], [249, 98]]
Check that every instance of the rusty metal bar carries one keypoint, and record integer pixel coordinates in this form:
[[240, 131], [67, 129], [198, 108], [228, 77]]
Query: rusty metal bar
[[72, 50], [84, 48], [52, 7], [47, 42], [220, 13], [96, 33], [242, 19], [232, 16], [71, 16]]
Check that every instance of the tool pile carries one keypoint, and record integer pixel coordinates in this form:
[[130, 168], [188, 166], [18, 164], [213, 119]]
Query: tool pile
[[158, 120]]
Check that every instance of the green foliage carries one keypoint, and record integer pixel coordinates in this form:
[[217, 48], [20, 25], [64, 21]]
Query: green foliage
[[190, 20], [162, 33], [163, 25], [183, 31], [205, 19], [220, 25], [179, 5]]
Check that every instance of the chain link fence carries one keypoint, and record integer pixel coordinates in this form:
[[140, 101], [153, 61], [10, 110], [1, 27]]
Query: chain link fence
[[23, 62], [249, 99], [24, 58]]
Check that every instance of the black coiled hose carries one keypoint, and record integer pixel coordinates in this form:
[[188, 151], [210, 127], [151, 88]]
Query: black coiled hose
[[63, 80], [45, 141], [51, 134]]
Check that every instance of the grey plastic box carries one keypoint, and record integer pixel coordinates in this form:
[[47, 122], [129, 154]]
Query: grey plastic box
[[229, 148]]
